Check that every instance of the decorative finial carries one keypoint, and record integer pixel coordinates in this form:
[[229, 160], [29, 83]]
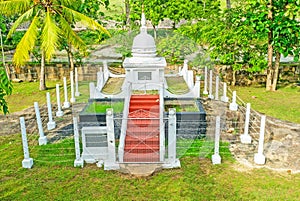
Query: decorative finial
[[143, 21]]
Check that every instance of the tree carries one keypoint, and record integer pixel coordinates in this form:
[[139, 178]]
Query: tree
[[50, 22], [5, 89], [277, 20]]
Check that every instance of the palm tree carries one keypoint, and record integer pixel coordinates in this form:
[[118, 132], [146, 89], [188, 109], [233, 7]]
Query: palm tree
[[50, 23]]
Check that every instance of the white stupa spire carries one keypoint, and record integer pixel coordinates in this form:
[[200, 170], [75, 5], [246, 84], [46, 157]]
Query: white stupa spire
[[143, 21]]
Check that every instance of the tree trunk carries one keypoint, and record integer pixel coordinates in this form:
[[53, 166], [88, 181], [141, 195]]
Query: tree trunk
[[270, 70], [43, 75], [155, 32], [233, 78], [276, 71], [228, 4], [127, 13]]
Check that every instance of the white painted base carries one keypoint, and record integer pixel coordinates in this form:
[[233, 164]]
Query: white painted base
[[77, 93], [72, 100], [51, 125], [111, 166], [205, 92], [224, 99], [173, 164], [78, 162], [43, 140], [216, 159], [259, 159], [246, 139], [59, 113], [233, 106], [211, 96], [27, 163], [66, 105]]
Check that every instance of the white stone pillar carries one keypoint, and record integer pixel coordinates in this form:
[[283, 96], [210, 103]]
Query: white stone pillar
[[78, 160], [59, 112], [72, 100], [77, 93], [217, 88], [92, 89], [190, 79], [224, 98], [246, 138], [42, 138], [197, 87], [216, 158], [27, 161], [210, 95], [172, 135], [259, 158], [110, 163], [205, 81], [66, 103], [233, 106], [51, 124]]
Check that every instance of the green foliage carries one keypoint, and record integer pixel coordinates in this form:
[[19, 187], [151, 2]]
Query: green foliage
[[100, 107], [5, 89], [175, 47]]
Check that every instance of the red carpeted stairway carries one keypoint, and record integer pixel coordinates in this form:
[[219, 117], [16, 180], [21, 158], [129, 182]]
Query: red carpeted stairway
[[142, 135]]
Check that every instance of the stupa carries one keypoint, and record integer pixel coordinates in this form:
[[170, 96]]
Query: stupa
[[145, 70]]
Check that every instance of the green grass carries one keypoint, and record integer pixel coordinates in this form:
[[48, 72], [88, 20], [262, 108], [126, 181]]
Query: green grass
[[197, 179], [100, 107], [177, 85], [181, 106], [283, 104]]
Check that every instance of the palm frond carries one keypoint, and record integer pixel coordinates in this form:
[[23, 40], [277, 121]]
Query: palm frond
[[23, 18], [85, 20], [50, 36], [27, 43], [12, 7], [71, 36], [69, 2]]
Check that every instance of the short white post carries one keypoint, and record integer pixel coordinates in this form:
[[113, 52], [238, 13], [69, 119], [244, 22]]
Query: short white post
[[224, 98], [42, 138], [77, 93], [197, 87], [259, 158], [59, 112], [217, 88], [216, 158], [51, 124], [233, 106], [78, 160], [66, 103], [210, 95], [205, 81], [246, 138], [172, 160], [27, 161], [72, 100], [110, 163]]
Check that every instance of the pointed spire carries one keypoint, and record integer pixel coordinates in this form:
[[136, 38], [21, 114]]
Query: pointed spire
[[143, 21]]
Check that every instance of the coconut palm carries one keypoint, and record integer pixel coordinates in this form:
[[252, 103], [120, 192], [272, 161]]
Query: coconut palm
[[50, 22]]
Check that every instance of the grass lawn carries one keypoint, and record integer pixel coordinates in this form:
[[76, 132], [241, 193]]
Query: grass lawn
[[283, 104], [197, 179]]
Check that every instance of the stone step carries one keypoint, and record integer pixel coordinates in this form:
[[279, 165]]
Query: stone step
[[143, 97], [141, 157]]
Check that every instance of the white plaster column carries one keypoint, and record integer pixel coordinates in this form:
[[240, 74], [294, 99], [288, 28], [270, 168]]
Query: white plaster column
[[66, 103], [190, 79], [78, 160], [246, 138], [216, 158], [224, 98], [259, 157], [197, 87], [110, 163], [51, 124], [233, 106], [77, 93], [210, 95], [59, 112], [205, 81], [72, 100], [27, 162], [92, 89], [42, 138], [217, 88]]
